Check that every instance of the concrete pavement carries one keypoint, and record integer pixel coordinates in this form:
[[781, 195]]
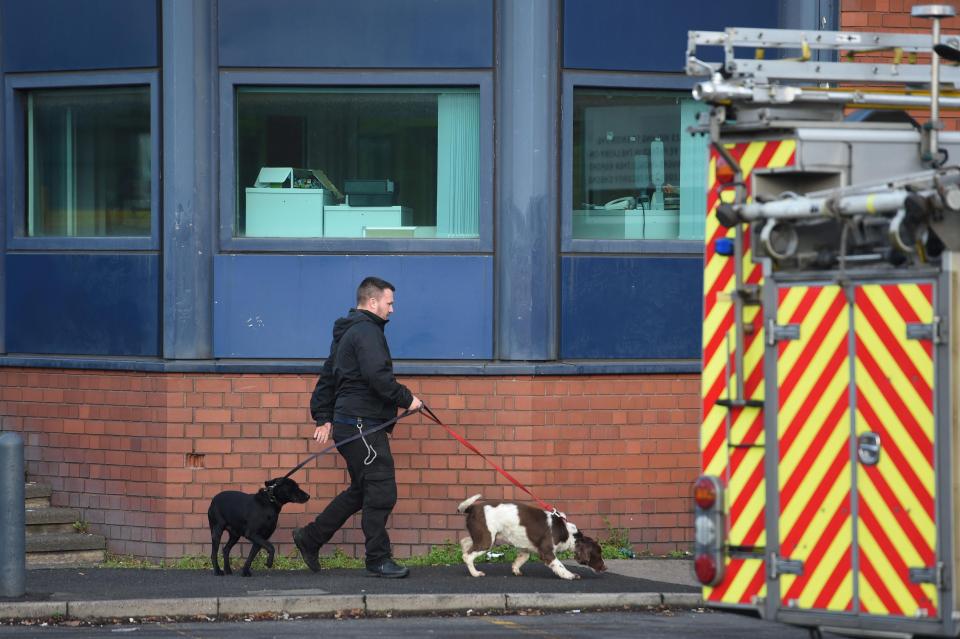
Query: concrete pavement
[[112, 593]]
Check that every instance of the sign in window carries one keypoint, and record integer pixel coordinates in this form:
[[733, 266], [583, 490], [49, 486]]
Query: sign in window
[[637, 171]]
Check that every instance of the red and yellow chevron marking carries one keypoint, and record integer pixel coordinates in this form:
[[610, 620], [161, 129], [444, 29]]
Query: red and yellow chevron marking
[[743, 583], [813, 430], [896, 525], [739, 468]]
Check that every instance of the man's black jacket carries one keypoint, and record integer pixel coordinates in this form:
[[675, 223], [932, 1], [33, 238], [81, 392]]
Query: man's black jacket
[[357, 378]]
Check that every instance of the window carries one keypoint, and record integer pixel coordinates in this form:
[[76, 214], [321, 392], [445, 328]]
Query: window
[[637, 172], [88, 162], [357, 162]]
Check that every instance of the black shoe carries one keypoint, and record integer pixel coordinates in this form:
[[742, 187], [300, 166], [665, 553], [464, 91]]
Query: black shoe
[[308, 551], [388, 569]]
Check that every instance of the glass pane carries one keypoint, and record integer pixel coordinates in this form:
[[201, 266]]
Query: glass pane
[[358, 162], [88, 162], [637, 172]]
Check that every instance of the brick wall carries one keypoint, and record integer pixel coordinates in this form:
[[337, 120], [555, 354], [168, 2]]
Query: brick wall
[[894, 16], [890, 15], [143, 453]]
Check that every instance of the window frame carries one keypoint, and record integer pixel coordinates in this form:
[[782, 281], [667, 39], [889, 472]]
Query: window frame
[[231, 80], [15, 182], [573, 80]]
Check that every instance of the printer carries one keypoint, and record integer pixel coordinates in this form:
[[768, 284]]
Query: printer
[[369, 192]]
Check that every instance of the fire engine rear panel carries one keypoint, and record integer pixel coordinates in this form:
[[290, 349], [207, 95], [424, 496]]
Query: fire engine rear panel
[[857, 534], [893, 385], [830, 350], [813, 448], [732, 440], [865, 544]]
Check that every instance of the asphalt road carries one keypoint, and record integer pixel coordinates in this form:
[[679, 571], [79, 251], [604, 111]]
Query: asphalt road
[[611, 625]]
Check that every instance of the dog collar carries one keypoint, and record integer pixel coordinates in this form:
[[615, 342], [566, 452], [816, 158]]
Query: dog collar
[[269, 493]]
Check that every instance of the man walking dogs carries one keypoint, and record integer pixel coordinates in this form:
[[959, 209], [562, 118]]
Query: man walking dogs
[[357, 391]]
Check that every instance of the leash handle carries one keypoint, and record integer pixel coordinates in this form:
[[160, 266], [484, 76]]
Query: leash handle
[[547, 507], [352, 438]]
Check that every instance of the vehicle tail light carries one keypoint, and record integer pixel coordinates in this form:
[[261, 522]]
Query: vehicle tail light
[[725, 173], [705, 530], [705, 493], [705, 566], [709, 531]]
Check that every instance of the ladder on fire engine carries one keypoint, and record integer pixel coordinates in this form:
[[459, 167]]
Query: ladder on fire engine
[[763, 79], [787, 75]]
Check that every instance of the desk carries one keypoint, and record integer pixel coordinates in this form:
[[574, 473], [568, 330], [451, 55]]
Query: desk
[[273, 212], [598, 224], [630, 224], [399, 231], [654, 224], [349, 221]]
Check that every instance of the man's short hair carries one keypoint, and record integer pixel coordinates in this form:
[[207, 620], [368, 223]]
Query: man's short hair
[[372, 287]]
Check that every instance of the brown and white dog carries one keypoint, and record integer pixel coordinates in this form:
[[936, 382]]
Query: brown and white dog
[[528, 529]]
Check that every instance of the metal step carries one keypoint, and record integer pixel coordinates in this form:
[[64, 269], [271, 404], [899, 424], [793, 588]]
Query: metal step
[[51, 520], [53, 550], [36, 495]]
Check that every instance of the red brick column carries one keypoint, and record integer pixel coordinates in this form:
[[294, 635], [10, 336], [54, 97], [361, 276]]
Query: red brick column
[[143, 453]]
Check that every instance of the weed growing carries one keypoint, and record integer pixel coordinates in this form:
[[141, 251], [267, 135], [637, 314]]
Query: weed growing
[[616, 543]]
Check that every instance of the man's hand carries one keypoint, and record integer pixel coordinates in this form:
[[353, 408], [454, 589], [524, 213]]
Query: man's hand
[[415, 404], [322, 433]]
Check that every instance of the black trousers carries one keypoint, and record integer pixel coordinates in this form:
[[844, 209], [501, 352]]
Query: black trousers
[[372, 490]]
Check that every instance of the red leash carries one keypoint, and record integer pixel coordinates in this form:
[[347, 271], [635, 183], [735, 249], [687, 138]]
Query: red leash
[[459, 438]]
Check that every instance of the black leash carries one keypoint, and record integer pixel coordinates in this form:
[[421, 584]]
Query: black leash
[[352, 438]]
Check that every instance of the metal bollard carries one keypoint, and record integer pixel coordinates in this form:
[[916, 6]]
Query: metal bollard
[[13, 534]]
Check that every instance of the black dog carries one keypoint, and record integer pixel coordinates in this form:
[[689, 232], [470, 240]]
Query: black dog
[[250, 516]]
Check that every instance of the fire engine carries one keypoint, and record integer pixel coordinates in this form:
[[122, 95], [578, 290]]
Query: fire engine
[[829, 437]]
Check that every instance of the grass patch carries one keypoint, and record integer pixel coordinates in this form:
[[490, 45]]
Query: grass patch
[[615, 545], [112, 560], [338, 559], [446, 554]]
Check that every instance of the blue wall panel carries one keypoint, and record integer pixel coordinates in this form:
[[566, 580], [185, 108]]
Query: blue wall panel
[[92, 304], [284, 306], [631, 307], [66, 35], [356, 33], [623, 35]]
